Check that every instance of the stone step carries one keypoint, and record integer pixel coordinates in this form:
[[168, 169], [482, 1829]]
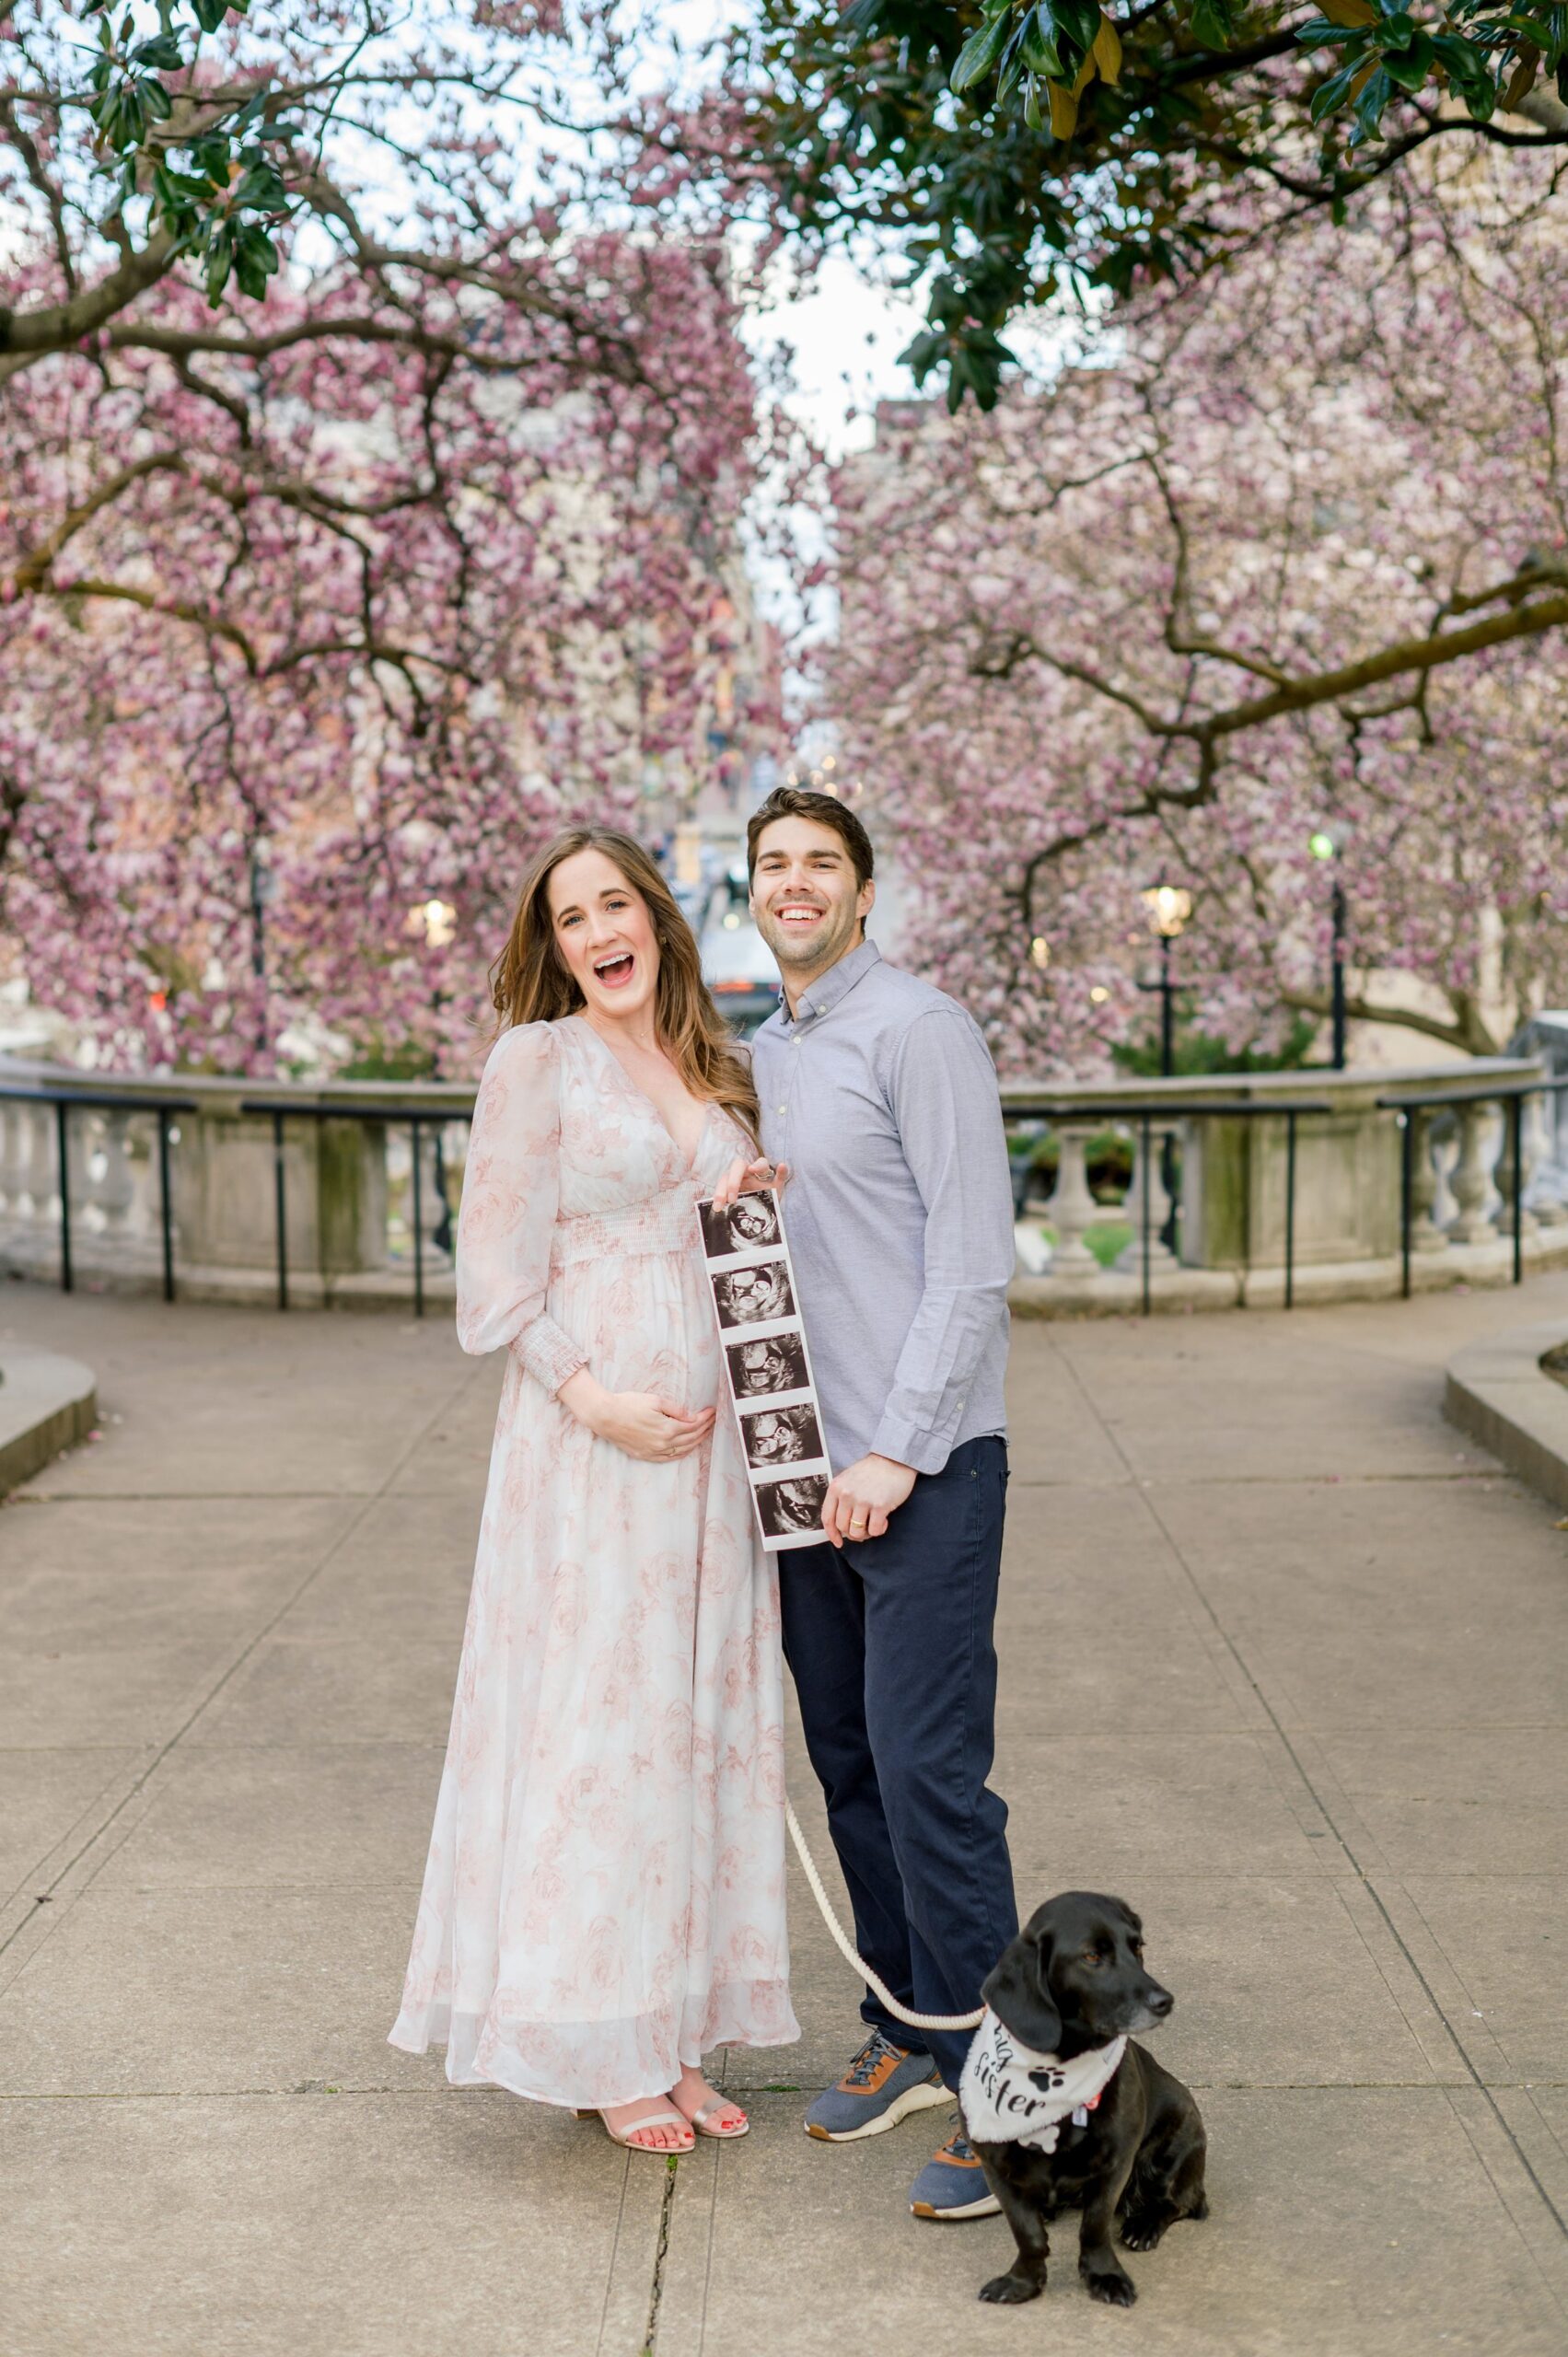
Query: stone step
[[47, 1404]]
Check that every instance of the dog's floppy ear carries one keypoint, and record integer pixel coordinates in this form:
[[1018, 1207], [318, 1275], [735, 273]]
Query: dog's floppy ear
[[1018, 1994]]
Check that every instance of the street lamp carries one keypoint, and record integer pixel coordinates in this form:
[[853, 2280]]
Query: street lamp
[[436, 919], [1169, 908], [1327, 843]]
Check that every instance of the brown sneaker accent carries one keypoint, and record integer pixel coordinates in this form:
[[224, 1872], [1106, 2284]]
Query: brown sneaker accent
[[871, 2082]]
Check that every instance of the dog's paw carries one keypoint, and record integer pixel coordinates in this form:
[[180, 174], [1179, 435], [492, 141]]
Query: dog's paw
[[1141, 2233], [1009, 2291], [1117, 2290]]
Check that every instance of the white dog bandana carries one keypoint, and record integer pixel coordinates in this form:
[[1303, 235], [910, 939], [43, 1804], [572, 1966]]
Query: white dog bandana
[[1010, 2095]]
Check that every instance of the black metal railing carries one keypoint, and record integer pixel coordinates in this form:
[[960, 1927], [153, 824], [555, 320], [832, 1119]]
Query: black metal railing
[[1142, 1115], [101, 1100], [1168, 1111], [163, 1109], [1512, 1096], [392, 1116]]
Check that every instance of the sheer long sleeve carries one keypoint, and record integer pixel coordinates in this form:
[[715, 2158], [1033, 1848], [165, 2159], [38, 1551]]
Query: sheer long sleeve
[[511, 1190]]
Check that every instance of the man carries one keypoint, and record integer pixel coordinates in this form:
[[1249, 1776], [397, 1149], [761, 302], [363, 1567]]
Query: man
[[879, 1098]]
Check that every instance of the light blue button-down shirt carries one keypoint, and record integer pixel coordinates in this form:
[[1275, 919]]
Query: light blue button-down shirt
[[881, 1097]]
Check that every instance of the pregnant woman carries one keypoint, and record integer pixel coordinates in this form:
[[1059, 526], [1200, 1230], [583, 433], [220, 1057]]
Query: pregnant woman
[[604, 1898]]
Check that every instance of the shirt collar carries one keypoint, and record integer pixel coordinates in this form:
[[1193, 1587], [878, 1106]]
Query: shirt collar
[[828, 989]]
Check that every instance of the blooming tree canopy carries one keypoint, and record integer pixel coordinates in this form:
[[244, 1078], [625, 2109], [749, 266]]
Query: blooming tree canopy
[[1013, 150], [1284, 555], [326, 590]]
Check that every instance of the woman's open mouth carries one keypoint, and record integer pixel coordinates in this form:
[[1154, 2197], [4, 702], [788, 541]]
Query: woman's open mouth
[[617, 971]]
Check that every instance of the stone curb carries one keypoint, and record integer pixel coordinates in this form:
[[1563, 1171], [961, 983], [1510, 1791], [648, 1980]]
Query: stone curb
[[47, 1404], [1498, 1393]]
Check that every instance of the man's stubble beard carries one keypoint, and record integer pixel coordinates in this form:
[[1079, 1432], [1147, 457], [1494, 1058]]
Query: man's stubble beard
[[815, 957]]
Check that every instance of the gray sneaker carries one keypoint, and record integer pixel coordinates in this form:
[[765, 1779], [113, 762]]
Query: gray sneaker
[[882, 2085]]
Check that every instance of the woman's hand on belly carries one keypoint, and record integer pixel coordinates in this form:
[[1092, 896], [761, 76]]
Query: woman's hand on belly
[[645, 1423]]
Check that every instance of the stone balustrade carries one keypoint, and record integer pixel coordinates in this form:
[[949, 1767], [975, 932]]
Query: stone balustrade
[[1226, 1210], [348, 1187], [1216, 1185]]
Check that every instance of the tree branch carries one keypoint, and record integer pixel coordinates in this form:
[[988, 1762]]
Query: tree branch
[[1468, 1035], [27, 336], [1523, 620], [32, 573]]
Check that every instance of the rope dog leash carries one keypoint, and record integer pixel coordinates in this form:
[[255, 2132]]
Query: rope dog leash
[[847, 1950]]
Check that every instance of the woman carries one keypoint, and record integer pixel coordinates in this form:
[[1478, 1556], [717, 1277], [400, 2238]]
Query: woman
[[604, 1898]]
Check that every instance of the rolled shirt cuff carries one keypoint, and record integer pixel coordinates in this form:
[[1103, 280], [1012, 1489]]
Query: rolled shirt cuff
[[914, 1445], [550, 1356]]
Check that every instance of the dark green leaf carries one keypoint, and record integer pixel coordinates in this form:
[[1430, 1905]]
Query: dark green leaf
[[209, 14], [979, 55], [1040, 52], [1369, 106], [162, 53], [1334, 91], [1079, 20]]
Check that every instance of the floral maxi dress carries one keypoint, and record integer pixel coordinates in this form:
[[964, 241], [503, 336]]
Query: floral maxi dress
[[604, 1897]]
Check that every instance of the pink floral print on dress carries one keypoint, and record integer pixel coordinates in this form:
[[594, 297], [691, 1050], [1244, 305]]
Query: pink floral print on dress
[[604, 1897]]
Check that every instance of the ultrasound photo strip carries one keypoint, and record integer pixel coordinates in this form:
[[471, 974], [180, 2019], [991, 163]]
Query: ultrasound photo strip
[[769, 1366], [781, 1435]]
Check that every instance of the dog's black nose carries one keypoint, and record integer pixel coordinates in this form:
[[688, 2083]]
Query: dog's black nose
[[1160, 2001]]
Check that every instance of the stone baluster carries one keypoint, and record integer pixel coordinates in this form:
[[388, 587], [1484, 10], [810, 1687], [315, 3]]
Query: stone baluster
[[1427, 1178], [1506, 1178], [114, 1191], [1130, 1260], [399, 1197], [1473, 1190], [39, 1199], [1545, 1195], [431, 1149], [443, 1219], [10, 1156], [89, 1164], [1073, 1207], [1445, 1160]]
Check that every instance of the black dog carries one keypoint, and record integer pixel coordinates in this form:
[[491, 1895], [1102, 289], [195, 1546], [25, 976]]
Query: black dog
[[1072, 1982]]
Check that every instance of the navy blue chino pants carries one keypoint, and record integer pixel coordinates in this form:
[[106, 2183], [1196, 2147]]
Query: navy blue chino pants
[[890, 1645]]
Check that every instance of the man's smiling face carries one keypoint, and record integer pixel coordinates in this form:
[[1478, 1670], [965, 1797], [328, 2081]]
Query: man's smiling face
[[804, 896]]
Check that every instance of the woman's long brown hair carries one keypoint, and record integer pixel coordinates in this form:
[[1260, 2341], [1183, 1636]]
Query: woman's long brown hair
[[529, 984]]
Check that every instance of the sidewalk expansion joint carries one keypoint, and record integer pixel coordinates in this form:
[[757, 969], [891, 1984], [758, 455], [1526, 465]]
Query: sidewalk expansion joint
[[661, 2249]]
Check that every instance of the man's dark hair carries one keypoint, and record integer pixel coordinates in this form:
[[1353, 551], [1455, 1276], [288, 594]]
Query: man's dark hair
[[798, 802]]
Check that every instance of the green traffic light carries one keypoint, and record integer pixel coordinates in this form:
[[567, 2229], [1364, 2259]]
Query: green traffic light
[[1321, 846]]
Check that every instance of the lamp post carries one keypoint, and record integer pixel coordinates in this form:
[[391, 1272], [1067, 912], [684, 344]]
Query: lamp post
[[1168, 909], [1327, 843]]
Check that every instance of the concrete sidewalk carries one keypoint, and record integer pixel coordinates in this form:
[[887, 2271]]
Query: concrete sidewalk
[[1284, 1662]]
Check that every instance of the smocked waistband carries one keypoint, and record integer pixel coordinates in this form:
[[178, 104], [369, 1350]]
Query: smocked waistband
[[666, 1222]]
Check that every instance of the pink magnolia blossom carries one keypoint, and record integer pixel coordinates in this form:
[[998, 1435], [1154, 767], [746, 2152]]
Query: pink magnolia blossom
[[1056, 621], [323, 607]]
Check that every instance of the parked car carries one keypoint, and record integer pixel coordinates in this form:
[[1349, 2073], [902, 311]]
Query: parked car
[[738, 965]]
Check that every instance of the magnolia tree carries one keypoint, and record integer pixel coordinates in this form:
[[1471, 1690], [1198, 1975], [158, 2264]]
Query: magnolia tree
[[1282, 556], [371, 487], [1016, 149]]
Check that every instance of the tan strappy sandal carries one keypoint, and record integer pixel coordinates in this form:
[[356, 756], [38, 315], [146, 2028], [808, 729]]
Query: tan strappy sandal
[[666, 2118], [702, 2121]]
